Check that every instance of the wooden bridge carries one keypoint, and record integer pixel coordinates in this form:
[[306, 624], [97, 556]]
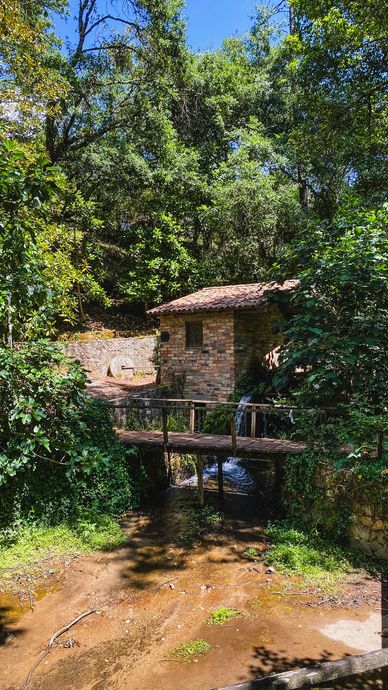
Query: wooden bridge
[[159, 412], [193, 414], [211, 444]]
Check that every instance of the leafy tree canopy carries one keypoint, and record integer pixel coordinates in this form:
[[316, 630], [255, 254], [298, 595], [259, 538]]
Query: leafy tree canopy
[[336, 340]]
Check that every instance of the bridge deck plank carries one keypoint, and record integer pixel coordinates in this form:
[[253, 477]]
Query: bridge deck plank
[[211, 443]]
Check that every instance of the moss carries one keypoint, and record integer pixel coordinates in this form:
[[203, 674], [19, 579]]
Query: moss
[[190, 650], [222, 615]]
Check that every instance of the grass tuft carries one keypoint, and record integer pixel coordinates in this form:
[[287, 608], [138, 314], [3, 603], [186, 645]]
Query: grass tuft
[[223, 615], [190, 650], [251, 554], [298, 551], [33, 544]]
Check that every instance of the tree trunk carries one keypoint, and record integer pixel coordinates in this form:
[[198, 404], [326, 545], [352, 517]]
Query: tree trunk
[[9, 322]]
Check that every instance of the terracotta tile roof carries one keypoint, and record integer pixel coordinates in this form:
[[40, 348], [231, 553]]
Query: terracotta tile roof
[[222, 298]]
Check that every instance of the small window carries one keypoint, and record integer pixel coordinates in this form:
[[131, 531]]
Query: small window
[[194, 334]]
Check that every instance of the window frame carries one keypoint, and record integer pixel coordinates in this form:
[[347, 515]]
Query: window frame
[[188, 343]]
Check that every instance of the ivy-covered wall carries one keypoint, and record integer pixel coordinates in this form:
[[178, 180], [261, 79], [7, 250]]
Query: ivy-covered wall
[[344, 498]]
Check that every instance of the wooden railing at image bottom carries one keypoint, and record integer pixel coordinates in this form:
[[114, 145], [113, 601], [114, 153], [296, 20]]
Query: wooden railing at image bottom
[[327, 671]]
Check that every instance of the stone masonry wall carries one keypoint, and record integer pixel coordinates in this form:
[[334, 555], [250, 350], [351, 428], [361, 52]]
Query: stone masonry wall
[[207, 372], [95, 357], [368, 529], [254, 337]]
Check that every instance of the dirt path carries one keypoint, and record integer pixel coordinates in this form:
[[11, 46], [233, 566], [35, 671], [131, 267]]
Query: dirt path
[[152, 595]]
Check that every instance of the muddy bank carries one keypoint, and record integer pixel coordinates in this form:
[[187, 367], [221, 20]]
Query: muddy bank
[[154, 594]]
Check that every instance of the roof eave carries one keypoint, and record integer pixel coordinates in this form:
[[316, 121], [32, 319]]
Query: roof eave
[[158, 311]]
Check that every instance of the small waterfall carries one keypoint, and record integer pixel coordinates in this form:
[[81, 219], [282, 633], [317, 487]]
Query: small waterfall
[[242, 416], [233, 471]]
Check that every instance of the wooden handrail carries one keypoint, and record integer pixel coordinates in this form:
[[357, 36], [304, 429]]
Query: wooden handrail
[[319, 673], [159, 403]]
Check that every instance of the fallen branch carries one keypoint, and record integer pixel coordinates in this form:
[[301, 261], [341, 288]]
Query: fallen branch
[[164, 583], [51, 642]]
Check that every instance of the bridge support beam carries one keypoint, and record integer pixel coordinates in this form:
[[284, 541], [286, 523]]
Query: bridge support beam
[[199, 467], [220, 476]]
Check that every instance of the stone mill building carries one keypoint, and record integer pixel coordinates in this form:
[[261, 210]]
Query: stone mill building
[[209, 338]]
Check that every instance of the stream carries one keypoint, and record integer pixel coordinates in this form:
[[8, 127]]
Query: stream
[[157, 592]]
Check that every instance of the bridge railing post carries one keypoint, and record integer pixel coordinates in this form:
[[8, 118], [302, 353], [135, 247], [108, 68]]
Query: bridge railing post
[[192, 417], [253, 422], [233, 433], [165, 426]]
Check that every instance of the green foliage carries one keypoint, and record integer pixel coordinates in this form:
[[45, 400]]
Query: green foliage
[[27, 184], [323, 484], [251, 554], [59, 453], [190, 650], [46, 266], [33, 544], [338, 52], [297, 550], [336, 336], [141, 420], [222, 616], [218, 420], [188, 168], [254, 208], [159, 261]]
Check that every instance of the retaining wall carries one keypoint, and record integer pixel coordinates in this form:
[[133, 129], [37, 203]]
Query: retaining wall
[[368, 529], [96, 356]]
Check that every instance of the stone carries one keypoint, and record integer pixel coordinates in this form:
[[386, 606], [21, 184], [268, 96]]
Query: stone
[[121, 366]]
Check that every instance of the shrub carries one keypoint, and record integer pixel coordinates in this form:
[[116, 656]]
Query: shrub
[[59, 453]]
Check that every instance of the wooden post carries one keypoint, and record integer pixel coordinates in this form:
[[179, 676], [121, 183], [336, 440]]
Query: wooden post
[[199, 466], [165, 426], [279, 478], [233, 433], [220, 475], [192, 418], [253, 422]]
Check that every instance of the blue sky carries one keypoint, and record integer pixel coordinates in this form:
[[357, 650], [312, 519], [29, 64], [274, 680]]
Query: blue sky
[[208, 21]]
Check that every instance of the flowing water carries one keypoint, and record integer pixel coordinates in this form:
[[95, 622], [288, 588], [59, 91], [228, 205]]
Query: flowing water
[[236, 474]]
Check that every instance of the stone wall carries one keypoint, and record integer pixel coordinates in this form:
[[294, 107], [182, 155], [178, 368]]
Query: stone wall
[[96, 356], [368, 507], [254, 337], [206, 372], [368, 530]]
